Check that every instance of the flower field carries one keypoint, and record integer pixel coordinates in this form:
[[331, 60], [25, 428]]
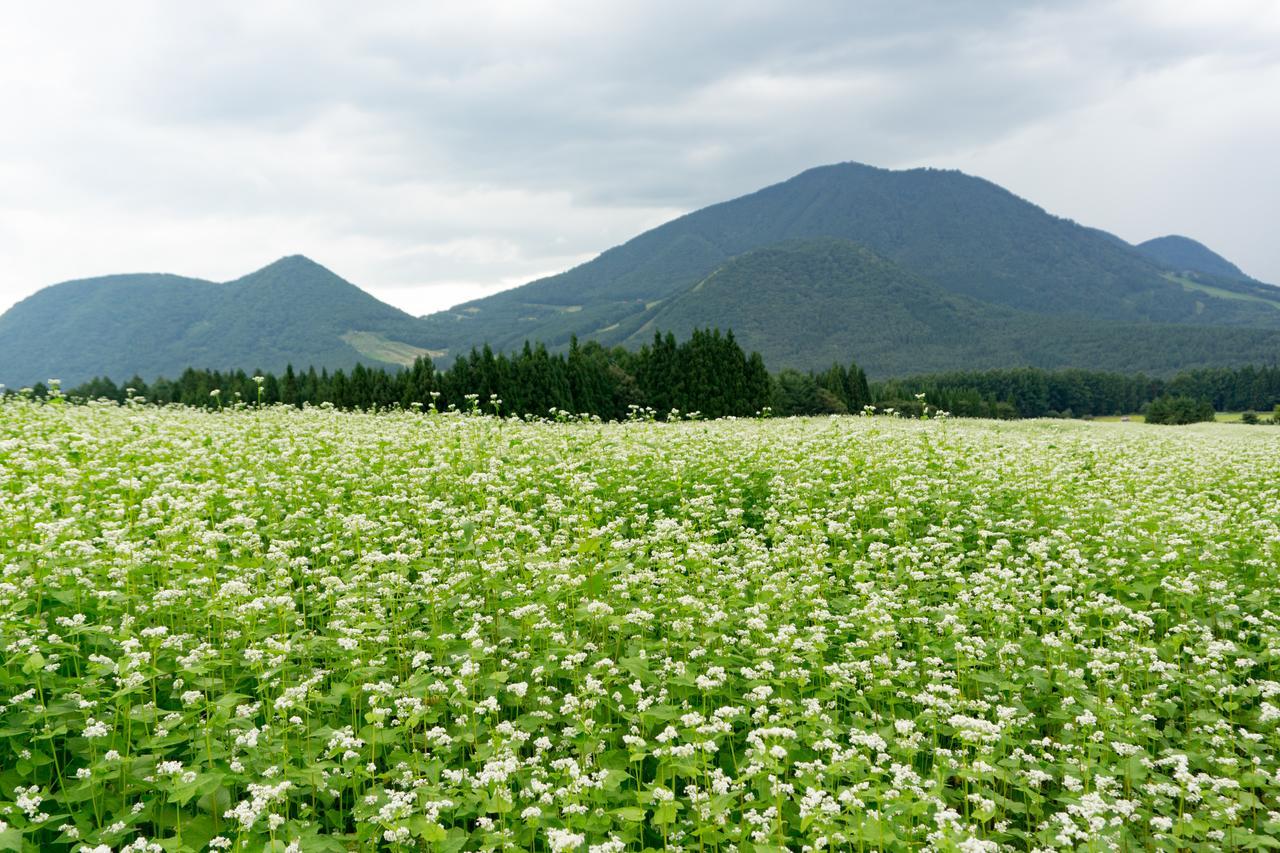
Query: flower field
[[286, 629]]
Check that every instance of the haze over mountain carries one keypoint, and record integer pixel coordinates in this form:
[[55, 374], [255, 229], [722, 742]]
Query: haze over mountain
[[964, 236], [292, 311], [903, 271]]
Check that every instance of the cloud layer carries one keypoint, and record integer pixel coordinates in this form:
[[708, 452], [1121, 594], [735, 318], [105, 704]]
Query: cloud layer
[[433, 153]]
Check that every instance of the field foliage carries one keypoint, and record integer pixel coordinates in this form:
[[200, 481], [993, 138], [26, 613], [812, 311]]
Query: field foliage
[[306, 630]]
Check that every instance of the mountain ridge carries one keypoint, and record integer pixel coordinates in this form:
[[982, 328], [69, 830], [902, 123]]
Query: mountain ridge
[[963, 233], [290, 311], [997, 279], [833, 300]]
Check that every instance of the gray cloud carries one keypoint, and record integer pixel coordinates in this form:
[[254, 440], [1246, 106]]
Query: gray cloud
[[436, 152]]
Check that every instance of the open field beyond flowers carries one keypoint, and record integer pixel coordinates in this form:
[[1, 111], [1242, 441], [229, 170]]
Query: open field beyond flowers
[[309, 630]]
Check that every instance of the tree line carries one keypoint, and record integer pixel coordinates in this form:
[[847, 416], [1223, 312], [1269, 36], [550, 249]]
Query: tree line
[[709, 373], [1036, 393], [1176, 409]]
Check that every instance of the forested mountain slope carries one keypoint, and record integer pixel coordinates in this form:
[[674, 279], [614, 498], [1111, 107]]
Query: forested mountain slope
[[811, 303], [906, 271], [962, 234], [124, 325]]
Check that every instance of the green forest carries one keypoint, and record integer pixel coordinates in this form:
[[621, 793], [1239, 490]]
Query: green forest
[[1034, 393], [708, 373]]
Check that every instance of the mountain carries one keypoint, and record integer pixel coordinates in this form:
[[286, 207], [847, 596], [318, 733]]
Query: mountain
[[149, 325], [904, 271], [1182, 254], [961, 234], [824, 300]]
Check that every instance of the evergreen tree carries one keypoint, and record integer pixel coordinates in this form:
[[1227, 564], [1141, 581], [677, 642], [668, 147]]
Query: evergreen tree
[[289, 387]]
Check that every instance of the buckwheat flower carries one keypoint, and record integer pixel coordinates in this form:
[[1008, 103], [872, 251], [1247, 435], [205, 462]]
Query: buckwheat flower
[[95, 729], [613, 845], [974, 729], [28, 799], [171, 768], [599, 608], [1036, 777], [561, 840]]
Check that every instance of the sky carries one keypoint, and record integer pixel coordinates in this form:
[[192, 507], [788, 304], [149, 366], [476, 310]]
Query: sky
[[437, 152]]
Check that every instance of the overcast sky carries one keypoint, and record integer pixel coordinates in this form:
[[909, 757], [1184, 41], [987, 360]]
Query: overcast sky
[[436, 152]]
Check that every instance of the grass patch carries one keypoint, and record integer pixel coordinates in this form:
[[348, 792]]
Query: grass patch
[[381, 348]]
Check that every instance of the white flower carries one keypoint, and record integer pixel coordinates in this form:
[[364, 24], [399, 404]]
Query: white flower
[[561, 840], [95, 729]]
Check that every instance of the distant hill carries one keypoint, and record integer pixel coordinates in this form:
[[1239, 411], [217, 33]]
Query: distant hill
[[149, 325], [822, 301], [1182, 254], [961, 234], [905, 271]]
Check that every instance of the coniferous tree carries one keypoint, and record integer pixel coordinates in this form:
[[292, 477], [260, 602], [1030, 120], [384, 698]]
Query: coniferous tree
[[289, 387]]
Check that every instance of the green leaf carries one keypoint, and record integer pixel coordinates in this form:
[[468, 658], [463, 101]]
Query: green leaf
[[665, 813], [11, 839], [426, 830], [33, 663]]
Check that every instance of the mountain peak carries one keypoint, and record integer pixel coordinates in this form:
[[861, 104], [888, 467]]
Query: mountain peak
[[966, 238], [297, 273], [292, 310], [1182, 254], [295, 264], [843, 166]]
